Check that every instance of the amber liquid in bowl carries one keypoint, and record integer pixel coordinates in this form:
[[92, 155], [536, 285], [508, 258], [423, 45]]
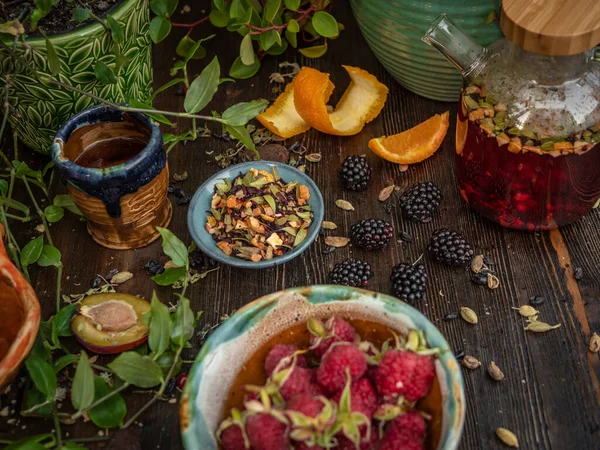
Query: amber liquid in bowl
[[525, 191], [253, 372], [12, 314]]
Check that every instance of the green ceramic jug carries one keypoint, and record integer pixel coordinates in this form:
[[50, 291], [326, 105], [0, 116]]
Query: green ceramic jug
[[393, 30]]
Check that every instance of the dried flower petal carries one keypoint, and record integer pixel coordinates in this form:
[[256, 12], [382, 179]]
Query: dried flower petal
[[508, 437], [477, 264], [314, 157], [471, 362], [495, 372], [540, 327], [468, 315], [328, 225], [386, 192], [345, 205], [594, 345], [336, 241], [492, 281]]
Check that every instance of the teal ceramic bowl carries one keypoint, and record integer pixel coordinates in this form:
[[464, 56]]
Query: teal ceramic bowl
[[200, 206], [226, 351], [393, 30]]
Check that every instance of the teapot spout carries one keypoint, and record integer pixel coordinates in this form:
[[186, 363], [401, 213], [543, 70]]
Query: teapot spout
[[456, 46]]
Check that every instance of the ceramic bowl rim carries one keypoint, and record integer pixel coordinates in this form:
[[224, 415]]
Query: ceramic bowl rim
[[450, 440], [316, 201]]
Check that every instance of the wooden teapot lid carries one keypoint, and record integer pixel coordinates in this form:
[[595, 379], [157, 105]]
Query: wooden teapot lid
[[552, 27]]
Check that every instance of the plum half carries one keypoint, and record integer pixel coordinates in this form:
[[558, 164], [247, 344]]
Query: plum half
[[111, 323]]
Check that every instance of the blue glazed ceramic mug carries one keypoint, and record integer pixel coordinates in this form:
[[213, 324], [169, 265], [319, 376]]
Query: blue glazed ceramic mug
[[115, 167]]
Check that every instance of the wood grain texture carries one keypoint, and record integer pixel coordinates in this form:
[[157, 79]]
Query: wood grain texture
[[550, 397]]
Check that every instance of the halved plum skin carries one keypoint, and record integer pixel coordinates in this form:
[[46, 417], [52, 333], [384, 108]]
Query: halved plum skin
[[110, 342]]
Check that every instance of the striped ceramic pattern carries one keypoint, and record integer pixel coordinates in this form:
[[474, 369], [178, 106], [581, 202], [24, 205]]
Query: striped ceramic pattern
[[393, 30]]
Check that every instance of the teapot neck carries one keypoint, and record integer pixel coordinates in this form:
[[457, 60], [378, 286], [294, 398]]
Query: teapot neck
[[456, 46]]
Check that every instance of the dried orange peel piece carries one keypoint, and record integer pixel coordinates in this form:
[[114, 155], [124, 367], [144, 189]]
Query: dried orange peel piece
[[282, 119], [362, 101], [414, 145]]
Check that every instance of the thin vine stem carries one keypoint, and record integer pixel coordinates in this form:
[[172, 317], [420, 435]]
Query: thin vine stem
[[102, 399]]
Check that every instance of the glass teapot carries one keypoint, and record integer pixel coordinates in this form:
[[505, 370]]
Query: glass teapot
[[528, 125]]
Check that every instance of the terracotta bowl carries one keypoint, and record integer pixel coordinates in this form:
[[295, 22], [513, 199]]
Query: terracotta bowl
[[228, 348], [20, 312]]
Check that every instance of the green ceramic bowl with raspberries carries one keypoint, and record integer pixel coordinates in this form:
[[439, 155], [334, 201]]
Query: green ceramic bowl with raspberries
[[237, 351]]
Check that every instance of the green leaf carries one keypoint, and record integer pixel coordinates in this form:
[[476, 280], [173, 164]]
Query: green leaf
[[42, 375], [292, 5], [197, 51], [169, 276], [186, 44], [237, 9], [271, 9], [12, 27], [10, 203], [159, 7], [173, 247], [155, 116], [3, 188], [117, 32], [64, 361], [292, 38], [53, 61], [183, 323], [47, 167], [203, 88], [111, 412], [219, 4], [50, 256], [171, 7], [54, 213], [30, 442], [241, 134], [247, 51], [219, 19], [81, 14], [241, 113], [160, 327], [293, 26], [278, 49], [241, 71], [120, 59], [62, 320], [314, 52], [66, 201], [104, 74], [82, 391], [136, 369], [159, 29], [166, 86], [325, 24], [268, 39], [33, 397], [72, 446], [32, 251]]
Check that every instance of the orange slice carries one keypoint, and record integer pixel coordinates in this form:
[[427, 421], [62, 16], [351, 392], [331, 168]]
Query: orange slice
[[461, 134], [281, 117], [362, 101], [414, 145]]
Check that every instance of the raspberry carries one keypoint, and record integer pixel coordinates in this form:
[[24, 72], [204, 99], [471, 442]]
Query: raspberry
[[420, 201], [233, 439], [280, 351], [450, 247], [404, 373], [351, 272], [371, 234], [346, 444], [305, 446], [397, 440], [363, 398], [355, 173], [322, 336], [409, 281], [410, 423], [299, 381], [305, 404], [331, 374], [265, 432]]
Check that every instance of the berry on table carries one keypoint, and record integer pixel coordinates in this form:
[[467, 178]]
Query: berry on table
[[408, 281], [450, 247], [352, 272], [371, 234], [355, 173], [421, 201], [181, 380]]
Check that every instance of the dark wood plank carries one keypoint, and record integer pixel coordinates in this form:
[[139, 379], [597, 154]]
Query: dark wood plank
[[550, 397]]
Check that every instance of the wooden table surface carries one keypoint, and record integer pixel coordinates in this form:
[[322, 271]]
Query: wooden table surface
[[550, 397]]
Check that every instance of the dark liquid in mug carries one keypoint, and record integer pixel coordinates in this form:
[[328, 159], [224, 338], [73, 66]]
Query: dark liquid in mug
[[110, 152]]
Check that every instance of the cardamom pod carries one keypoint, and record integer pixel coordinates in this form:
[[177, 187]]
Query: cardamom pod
[[336, 241], [343, 204], [386, 192], [328, 225], [121, 277], [594, 346], [471, 362], [526, 310], [477, 264], [495, 372], [540, 327], [508, 437], [468, 315]]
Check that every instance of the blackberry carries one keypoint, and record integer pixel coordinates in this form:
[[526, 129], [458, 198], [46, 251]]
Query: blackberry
[[154, 267], [421, 201], [371, 234], [408, 281], [450, 247], [355, 173], [352, 272], [200, 262]]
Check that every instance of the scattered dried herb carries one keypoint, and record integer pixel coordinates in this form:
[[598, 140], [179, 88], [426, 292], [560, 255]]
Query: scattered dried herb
[[594, 345], [495, 372], [329, 249], [536, 300], [111, 273], [527, 311], [345, 205], [314, 157], [405, 237], [477, 264], [540, 327], [336, 241], [451, 316], [470, 362], [578, 273], [180, 176], [328, 225], [259, 216], [468, 315], [121, 277], [508, 437], [459, 354], [479, 279], [492, 281], [386, 193]]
